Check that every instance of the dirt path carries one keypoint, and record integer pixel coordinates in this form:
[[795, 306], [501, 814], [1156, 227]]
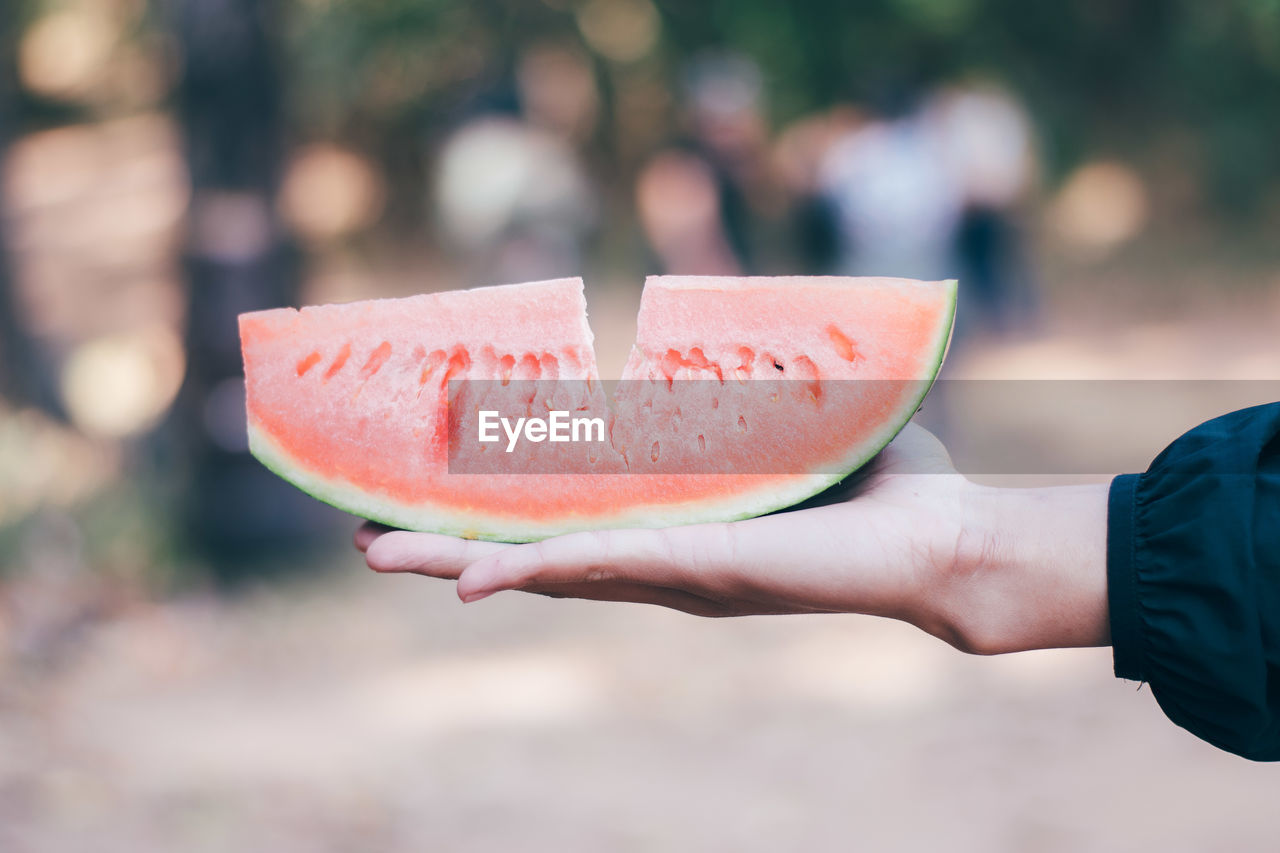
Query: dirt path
[[378, 713]]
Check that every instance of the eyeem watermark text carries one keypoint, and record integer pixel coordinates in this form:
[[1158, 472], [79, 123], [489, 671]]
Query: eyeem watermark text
[[557, 426]]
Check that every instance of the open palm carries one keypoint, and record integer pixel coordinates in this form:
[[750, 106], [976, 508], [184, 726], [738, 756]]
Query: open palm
[[860, 547]]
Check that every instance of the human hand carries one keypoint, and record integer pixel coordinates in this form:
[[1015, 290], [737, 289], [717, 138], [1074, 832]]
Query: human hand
[[987, 570]]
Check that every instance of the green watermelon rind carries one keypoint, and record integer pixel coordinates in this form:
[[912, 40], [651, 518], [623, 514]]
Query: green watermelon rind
[[451, 521]]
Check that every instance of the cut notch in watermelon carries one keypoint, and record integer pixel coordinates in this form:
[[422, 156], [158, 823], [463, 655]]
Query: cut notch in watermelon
[[351, 402]]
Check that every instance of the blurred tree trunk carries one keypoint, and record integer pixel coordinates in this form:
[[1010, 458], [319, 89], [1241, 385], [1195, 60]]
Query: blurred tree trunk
[[25, 375], [238, 258]]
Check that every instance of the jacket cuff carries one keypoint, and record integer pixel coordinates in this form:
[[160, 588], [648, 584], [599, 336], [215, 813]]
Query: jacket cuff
[[1122, 593]]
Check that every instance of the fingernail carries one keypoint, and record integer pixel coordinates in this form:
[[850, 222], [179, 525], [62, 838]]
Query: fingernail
[[476, 596]]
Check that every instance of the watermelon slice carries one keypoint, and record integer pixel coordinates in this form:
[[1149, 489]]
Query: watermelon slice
[[741, 396]]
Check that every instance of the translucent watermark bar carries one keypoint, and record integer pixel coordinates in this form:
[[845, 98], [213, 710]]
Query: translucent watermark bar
[[790, 426]]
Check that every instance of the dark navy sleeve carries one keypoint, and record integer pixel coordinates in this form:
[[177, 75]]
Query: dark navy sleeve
[[1193, 575]]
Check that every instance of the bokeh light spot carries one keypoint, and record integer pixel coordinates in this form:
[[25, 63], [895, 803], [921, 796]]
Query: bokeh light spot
[[1101, 206], [330, 192], [119, 385], [621, 30], [63, 54]]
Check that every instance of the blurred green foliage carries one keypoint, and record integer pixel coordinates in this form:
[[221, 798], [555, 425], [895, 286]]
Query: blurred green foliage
[[1110, 75], [1119, 77]]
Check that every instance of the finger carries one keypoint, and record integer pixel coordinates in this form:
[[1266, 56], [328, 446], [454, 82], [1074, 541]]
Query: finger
[[634, 593], [669, 557], [427, 553], [367, 532]]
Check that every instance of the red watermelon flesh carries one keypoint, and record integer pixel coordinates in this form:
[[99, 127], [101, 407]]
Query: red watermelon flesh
[[741, 396]]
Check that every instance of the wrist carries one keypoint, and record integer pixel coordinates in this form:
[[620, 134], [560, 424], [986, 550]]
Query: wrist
[[1029, 571]]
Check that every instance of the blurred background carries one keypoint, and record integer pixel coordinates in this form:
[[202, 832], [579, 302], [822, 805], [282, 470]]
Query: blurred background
[[192, 657]]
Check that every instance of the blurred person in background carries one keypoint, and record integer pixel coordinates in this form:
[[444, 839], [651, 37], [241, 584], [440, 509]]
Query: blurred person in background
[[928, 188], [988, 147], [511, 190], [697, 199], [897, 204], [798, 154]]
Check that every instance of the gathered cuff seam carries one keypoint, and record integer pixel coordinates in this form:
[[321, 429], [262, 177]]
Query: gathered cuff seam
[[1122, 581]]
